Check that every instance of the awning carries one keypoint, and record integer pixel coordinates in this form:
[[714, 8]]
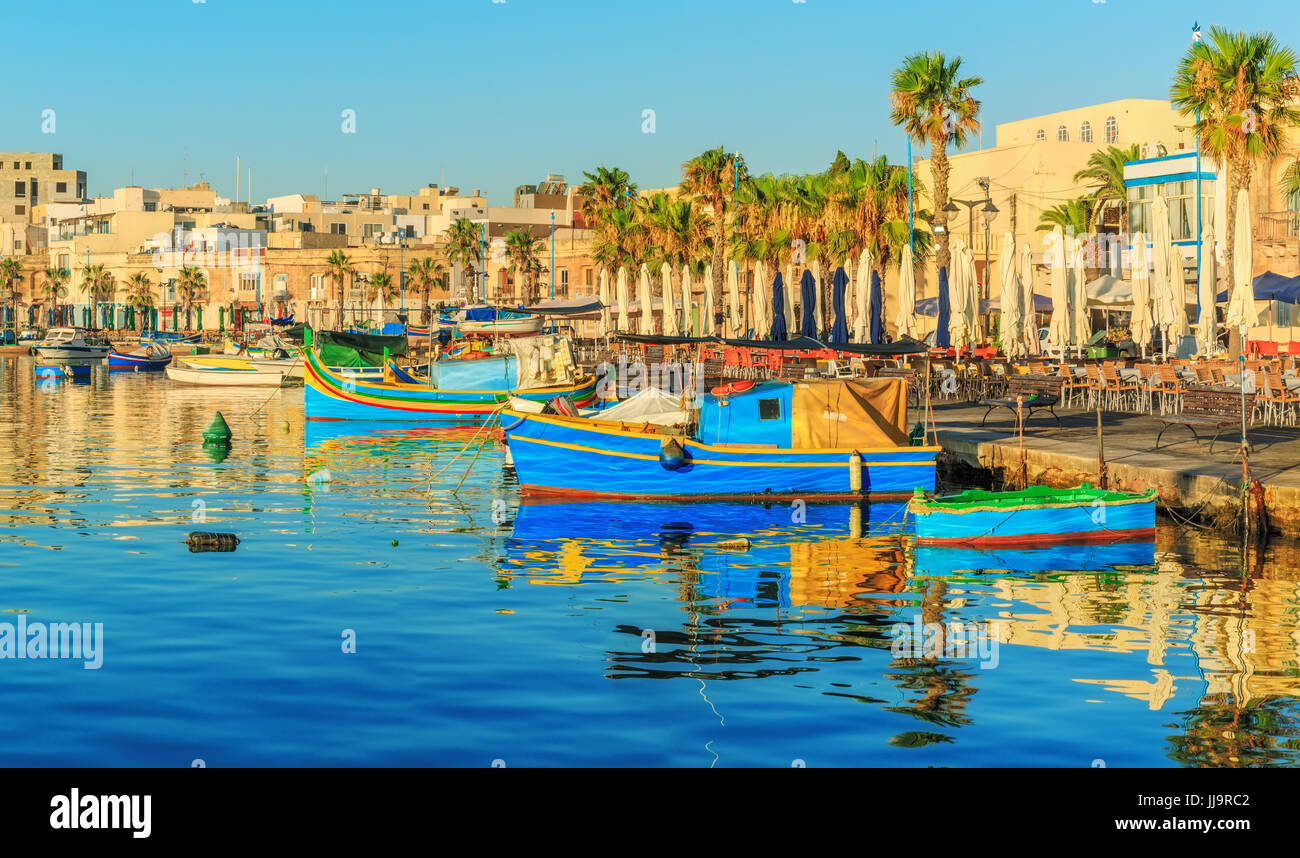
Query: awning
[[799, 344], [578, 305], [1274, 287]]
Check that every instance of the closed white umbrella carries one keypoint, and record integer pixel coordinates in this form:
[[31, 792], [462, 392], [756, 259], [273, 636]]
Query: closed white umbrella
[[604, 301], [519, 286], [1241, 304], [670, 323], [906, 318], [624, 322], [959, 329], [972, 296], [733, 300], [762, 323], [646, 300], [862, 298], [1140, 324], [1058, 329], [1079, 296], [1029, 309], [1162, 291], [1208, 289], [706, 312], [791, 323], [1178, 292], [688, 303], [1010, 297]]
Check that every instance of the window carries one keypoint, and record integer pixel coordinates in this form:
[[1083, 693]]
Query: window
[[151, 207], [1112, 130], [1062, 135], [338, 229], [1085, 132], [61, 187], [29, 166], [20, 189], [586, 275], [16, 167], [20, 210], [81, 190], [769, 409], [564, 279], [1040, 135]]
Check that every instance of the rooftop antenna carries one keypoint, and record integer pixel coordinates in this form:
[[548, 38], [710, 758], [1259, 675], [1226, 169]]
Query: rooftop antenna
[[326, 195], [185, 166]]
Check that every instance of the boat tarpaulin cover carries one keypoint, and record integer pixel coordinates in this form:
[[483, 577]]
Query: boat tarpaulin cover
[[840, 413], [579, 305], [339, 349], [545, 361], [651, 405]]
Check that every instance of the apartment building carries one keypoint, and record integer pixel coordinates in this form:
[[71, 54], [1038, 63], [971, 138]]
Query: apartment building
[[29, 179]]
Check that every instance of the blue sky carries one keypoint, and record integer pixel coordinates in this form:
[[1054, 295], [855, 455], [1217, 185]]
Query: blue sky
[[498, 94]]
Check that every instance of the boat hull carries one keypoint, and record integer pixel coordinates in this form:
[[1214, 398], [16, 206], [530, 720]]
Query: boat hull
[[170, 341], [1071, 523], [504, 327], [126, 360], [72, 352], [332, 395], [575, 457], [225, 377]]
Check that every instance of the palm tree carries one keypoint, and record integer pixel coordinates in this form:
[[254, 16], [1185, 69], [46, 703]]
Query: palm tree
[[98, 284], [466, 247], [340, 269], [524, 253], [56, 287], [11, 272], [381, 286], [1241, 86], [190, 283], [606, 190], [1072, 214], [934, 105], [425, 274], [713, 176], [1106, 169], [139, 291]]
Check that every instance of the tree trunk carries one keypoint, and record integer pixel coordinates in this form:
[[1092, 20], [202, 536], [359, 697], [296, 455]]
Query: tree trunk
[[939, 169], [719, 252], [1238, 178]]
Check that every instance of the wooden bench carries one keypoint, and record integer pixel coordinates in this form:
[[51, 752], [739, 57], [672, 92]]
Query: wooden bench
[[1208, 407], [1038, 392]]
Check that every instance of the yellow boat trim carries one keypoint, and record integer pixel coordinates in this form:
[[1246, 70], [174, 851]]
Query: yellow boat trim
[[359, 381], [606, 427], [725, 463]]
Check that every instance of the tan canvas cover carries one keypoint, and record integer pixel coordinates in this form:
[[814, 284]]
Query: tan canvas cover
[[850, 414], [543, 361]]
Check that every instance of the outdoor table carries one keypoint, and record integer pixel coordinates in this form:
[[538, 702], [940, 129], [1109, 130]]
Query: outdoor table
[[1127, 373]]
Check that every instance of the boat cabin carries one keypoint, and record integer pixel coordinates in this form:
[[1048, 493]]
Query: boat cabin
[[64, 336], [822, 414]]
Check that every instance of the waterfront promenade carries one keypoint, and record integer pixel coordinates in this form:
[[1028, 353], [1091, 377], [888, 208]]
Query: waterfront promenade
[[1184, 472]]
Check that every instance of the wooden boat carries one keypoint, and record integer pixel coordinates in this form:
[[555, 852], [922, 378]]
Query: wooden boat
[[774, 439], [418, 332], [169, 338], [962, 560], [68, 343], [143, 358], [491, 321], [1038, 515], [458, 392], [226, 377]]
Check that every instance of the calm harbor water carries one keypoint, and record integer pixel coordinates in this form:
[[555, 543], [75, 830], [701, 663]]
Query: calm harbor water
[[575, 634]]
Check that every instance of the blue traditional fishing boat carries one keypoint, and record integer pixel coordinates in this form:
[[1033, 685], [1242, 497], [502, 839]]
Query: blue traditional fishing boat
[[144, 358], [831, 438], [169, 338], [1038, 515], [948, 560]]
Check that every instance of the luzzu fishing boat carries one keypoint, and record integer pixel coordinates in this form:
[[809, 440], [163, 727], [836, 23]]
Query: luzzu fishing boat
[[455, 391], [492, 321], [828, 439], [146, 357], [1038, 515], [169, 338]]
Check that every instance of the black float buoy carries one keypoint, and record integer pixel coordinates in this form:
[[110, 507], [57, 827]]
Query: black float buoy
[[671, 455], [199, 541]]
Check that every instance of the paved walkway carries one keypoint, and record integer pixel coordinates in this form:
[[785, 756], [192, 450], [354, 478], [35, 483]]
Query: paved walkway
[[1183, 471]]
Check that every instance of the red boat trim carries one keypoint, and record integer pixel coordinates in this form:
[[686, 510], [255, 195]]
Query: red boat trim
[[532, 491], [1030, 540]]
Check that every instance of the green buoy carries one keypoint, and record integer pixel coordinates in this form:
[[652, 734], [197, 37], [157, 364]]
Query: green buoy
[[217, 430]]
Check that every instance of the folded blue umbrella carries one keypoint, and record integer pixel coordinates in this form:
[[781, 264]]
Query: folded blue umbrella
[[840, 327], [779, 333], [941, 338], [877, 306], [808, 290]]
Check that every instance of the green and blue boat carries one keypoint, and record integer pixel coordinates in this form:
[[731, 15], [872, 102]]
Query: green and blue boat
[[1035, 516]]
